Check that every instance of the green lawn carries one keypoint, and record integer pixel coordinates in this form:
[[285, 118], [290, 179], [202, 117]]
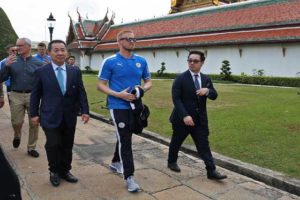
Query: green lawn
[[259, 125]]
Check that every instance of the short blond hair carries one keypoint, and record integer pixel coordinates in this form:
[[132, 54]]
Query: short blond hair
[[123, 32]]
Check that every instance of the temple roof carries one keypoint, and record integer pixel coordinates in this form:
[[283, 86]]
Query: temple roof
[[86, 33], [248, 15], [229, 38], [265, 21]]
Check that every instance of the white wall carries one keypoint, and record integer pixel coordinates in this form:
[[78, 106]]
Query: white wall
[[97, 59], [268, 57]]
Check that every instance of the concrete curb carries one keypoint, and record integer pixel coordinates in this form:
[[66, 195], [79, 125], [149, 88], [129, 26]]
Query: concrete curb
[[269, 177]]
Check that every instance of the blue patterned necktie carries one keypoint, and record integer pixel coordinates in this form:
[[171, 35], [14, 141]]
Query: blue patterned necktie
[[60, 79], [197, 85]]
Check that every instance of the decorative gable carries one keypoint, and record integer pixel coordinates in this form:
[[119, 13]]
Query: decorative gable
[[86, 33]]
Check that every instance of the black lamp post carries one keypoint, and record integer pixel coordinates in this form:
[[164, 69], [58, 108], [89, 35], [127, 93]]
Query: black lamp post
[[51, 24]]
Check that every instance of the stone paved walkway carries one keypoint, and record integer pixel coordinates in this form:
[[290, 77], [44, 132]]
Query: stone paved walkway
[[94, 146]]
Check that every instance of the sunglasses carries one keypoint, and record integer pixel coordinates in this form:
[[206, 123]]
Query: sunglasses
[[129, 39], [193, 61]]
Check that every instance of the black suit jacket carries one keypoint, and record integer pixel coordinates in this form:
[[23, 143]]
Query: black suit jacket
[[187, 103], [48, 102]]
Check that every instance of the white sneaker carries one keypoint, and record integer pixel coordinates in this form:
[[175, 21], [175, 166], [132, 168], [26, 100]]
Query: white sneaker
[[132, 186], [116, 167]]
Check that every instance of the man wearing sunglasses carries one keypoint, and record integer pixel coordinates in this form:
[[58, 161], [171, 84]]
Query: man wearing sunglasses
[[190, 91], [118, 76], [10, 49]]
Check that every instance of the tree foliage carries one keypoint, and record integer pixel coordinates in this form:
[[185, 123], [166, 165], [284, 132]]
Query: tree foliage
[[162, 69], [7, 33], [225, 70]]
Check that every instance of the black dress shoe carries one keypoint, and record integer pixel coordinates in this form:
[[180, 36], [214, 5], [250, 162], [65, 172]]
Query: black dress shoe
[[33, 153], [174, 167], [16, 142], [54, 179], [215, 175], [69, 177]]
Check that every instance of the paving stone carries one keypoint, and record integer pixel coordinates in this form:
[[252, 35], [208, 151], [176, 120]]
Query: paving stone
[[240, 194], [186, 171], [210, 187], [84, 194], [90, 171], [103, 139], [40, 184], [108, 186], [151, 180], [81, 139], [138, 196], [261, 189], [92, 154], [31, 165], [178, 193], [289, 198]]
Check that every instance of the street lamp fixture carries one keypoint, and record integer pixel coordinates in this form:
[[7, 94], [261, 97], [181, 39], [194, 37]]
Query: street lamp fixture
[[51, 24]]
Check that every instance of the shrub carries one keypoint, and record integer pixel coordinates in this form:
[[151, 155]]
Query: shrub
[[264, 80], [89, 70], [259, 72], [225, 70], [160, 72], [246, 79], [165, 75]]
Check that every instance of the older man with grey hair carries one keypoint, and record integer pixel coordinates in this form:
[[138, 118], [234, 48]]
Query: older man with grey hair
[[21, 70]]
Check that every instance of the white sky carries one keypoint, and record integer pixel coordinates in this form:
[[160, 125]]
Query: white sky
[[28, 17]]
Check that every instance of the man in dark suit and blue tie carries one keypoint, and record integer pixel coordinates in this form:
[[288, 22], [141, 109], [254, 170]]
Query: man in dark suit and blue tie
[[190, 91], [56, 94]]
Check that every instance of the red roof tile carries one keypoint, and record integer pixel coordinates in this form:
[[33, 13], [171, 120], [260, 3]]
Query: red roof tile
[[88, 44], [82, 45], [251, 22], [241, 37], [235, 17], [79, 33], [91, 28]]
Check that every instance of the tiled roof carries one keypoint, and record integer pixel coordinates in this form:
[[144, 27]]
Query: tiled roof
[[73, 45], [262, 21], [82, 45], [104, 29], [91, 28], [78, 30], [239, 37], [240, 16], [86, 33]]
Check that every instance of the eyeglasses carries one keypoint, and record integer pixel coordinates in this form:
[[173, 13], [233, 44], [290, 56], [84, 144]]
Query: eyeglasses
[[193, 61], [129, 39]]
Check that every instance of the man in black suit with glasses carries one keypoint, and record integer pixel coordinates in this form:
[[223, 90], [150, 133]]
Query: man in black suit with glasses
[[190, 91]]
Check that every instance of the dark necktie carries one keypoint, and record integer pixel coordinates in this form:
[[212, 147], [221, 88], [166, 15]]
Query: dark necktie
[[197, 85], [60, 78]]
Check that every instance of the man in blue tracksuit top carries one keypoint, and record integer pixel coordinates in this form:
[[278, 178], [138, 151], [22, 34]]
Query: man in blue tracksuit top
[[42, 54], [118, 75]]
